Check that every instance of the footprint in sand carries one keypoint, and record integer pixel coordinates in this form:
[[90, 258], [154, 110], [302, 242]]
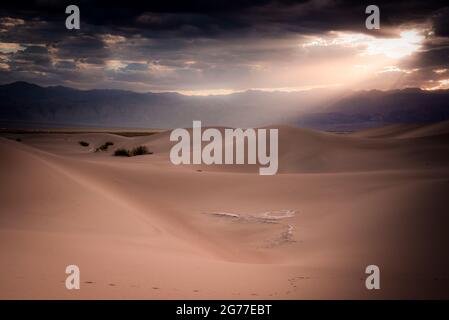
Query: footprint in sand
[[293, 281]]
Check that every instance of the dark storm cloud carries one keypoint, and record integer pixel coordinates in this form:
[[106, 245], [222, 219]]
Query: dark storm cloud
[[83, 47], [175, 43], [137, 67], [219, 18], [432, 57], [69, 65], [33, 58]]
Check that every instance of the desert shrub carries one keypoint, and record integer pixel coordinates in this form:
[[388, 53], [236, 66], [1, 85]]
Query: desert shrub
[[122, 153], [84, 143], [140, 150], [104, 146], [137, 151]]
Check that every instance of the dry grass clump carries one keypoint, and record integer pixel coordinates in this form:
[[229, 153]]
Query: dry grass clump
[[104, 146], [137, 151]]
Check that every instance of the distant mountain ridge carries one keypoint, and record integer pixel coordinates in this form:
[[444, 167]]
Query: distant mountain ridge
[[374, 108], [26, 104]]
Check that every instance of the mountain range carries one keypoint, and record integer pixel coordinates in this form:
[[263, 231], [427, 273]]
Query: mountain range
[[24, 104]]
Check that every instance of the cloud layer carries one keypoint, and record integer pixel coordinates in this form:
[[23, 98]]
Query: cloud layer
[[218, 46]]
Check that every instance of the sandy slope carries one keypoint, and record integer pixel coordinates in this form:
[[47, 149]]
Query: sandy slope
[[405, 131], [142, 228]]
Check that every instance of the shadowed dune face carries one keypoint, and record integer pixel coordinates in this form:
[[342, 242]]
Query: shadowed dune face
[[338, 204]]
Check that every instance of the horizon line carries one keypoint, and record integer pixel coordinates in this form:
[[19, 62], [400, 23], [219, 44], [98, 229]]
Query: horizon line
[[229, 92]]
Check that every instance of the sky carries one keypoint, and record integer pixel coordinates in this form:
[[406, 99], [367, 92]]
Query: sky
[[219, 47]]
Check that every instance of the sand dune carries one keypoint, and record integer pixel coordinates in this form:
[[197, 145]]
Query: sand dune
[[405, 131], [141, 227], [389, 131]]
